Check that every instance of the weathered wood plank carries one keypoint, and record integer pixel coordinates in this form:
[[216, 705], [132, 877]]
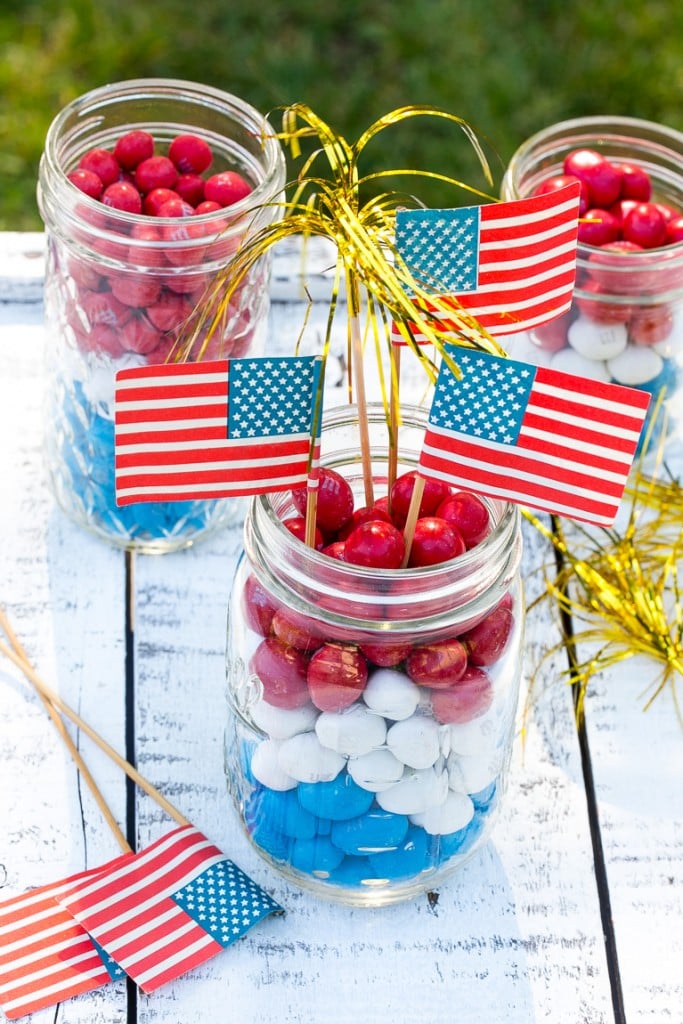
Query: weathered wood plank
[[515, 935], [63, 593]]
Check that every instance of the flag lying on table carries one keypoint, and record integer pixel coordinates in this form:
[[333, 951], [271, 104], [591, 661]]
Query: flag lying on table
[[45, 955], [511, 266], [169, 908], [532, 435], [223, 428]]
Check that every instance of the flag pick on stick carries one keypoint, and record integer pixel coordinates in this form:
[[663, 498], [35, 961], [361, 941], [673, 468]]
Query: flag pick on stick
[[222, 428], [152, 923], [535, 436]]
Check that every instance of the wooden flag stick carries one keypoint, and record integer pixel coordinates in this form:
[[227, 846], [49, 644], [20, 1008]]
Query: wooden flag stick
[[411, 518], [362, 406], [394, 407], [53, 697]]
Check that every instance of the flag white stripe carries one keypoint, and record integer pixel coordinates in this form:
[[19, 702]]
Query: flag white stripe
[[140, 860], [120, 895], [579, 454], [171, 961], [562, 393], [185, 924], [48, 990], [220, 490], [542, 459], [511, 244], [522, 219], [150, 380], [540, 480], [558, 507], [43, 973], [154, 469], [541, 261], [174, 402]]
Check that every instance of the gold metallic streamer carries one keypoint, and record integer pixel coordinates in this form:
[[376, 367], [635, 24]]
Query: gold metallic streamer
[[377, 280]]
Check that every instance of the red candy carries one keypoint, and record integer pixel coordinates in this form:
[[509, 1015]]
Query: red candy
[[434, 541], [337, 674], [375, 544], [133, 147], [190, 154], [335, 501], [438, 665], [282, 671]]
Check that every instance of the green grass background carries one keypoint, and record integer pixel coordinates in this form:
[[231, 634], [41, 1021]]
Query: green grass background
[[508, 67]]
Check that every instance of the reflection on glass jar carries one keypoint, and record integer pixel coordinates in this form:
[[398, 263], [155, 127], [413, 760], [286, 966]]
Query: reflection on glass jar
[[122, 280], [626, 320], [371, 710]]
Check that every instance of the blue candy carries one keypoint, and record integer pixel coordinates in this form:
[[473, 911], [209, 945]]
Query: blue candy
[[317, 854], [285, 814], [338, 800], [372, 832], [352, 871], [411, 857]]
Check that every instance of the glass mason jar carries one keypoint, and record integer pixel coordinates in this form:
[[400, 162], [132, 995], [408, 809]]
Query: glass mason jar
[[358, 770], [121, 288], [626, 320]]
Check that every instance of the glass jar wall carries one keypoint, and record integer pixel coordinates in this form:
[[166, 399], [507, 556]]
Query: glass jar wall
[[365, 758], [121, 287], [626, 319]]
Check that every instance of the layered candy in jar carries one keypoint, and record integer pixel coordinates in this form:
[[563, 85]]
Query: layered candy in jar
[[147, 189], [372, 706], [625, 323]]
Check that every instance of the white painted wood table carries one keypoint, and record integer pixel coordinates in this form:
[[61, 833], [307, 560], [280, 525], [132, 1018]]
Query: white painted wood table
[[573, 913]]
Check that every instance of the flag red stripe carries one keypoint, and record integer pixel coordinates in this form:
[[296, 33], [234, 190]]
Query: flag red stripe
[[174, 370], [161, 973], [169, 864], [580, 475], [197, 456], [155, 414], [522, 235], [597, 389], [192, 493], [196, 387], [615, 458], [490, 477]]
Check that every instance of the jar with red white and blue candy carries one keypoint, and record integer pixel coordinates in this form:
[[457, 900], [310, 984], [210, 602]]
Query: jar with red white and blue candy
[[371, 705], [626, 318], [146, 189]]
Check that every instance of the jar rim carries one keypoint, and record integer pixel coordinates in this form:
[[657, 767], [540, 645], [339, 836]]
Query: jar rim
[[427, 593], [264, 191]]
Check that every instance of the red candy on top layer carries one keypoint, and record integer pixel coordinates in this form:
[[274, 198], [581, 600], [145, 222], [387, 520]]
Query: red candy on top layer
[[133, 161]]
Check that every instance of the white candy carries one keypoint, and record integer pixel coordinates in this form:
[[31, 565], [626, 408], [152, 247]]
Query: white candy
[[471, 773], [375, 771], [266, 768], [415, 741], [416, 791], [354, 731], [283, 723], [597, 341], [454, 813], [638, 364], [475, 738], [391, 694], [569, 361], [307, 760]]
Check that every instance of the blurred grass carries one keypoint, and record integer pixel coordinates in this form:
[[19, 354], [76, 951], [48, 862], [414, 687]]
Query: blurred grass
[[509, 68]]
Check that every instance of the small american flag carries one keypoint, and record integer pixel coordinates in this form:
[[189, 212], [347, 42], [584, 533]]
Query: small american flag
[[216, 429], [45, 955], [169, 908], [510, 266], [533, 435]]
